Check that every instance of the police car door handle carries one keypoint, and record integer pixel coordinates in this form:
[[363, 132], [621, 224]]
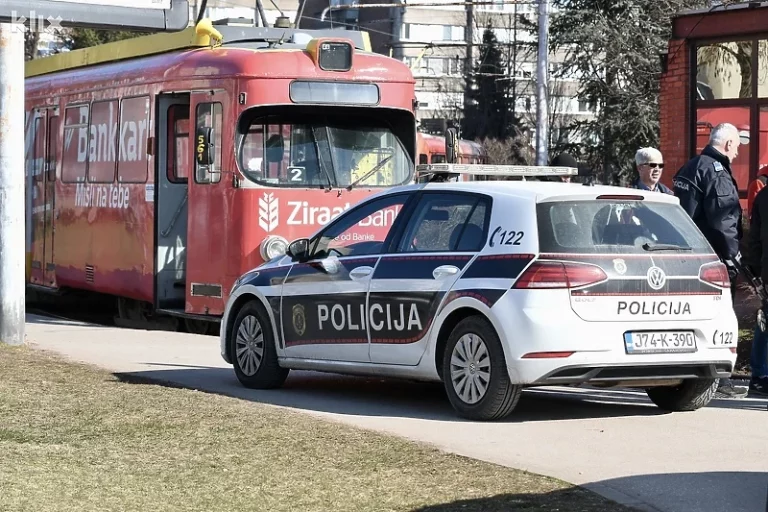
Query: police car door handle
[[445, 271], [360, 273]]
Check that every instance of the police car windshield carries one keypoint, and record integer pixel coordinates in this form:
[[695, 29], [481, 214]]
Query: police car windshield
[[593, 227], [315, 151]]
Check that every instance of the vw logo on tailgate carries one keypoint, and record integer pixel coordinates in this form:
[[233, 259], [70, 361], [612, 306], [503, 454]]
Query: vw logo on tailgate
[[656, 278]]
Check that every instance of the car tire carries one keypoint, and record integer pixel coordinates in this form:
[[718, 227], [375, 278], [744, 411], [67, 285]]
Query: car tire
[[252, 335], [692, 394], [500, 396]]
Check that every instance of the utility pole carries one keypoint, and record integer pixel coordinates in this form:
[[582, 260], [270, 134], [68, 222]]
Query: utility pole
[[469, 60], [12, 214], [542, 73], [397, 28]]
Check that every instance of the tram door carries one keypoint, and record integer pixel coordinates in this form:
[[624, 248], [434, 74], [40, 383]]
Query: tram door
[[209, 200], [173, 164], [41, 157]]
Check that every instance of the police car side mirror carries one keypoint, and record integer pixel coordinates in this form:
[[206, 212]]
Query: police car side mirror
[[298, 250]]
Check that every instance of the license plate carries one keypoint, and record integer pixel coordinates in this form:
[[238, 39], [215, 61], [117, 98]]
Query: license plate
[[659, 342]]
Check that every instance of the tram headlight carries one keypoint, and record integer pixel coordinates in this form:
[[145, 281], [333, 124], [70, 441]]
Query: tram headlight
[[272, 247]]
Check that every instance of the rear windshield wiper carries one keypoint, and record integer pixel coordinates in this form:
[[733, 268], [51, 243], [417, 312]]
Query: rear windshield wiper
[[665, 247]]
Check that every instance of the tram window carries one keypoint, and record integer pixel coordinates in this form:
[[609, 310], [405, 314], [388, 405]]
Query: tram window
[[209, 126], [280, 152], [102, 159], [134, 133], [177, 165], [75, 148], [438, 159], [423, 159]]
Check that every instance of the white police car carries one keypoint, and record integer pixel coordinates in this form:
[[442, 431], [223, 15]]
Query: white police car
[[493, 286]]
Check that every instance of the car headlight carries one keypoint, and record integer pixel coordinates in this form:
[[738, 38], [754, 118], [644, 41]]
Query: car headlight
[[272, 247]]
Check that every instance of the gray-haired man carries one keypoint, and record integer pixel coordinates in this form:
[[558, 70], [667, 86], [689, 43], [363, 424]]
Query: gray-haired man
[[650, 165], [709, 193]]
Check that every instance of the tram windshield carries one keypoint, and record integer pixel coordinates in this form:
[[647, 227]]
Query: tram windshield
[[322, 151]]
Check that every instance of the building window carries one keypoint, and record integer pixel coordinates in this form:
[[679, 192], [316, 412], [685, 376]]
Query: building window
[[724, 70]]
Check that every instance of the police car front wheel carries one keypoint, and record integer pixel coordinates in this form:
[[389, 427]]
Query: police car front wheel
[[253, 351], [475, 372]]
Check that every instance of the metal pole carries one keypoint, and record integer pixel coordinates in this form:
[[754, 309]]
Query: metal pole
[[260, 8], [397, 27], [12, 243], [469, 60], [299, 13], [542, 73]]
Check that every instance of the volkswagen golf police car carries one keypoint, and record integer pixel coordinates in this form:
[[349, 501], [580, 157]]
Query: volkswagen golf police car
[[493, 286]]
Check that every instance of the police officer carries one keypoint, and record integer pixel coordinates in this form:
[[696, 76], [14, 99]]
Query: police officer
[[709, 193]]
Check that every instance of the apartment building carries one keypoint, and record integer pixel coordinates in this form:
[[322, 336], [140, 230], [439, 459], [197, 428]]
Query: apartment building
[[430, 36]]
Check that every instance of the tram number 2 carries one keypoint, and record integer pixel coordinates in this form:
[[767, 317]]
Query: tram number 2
[[296, 173], [504, 237]]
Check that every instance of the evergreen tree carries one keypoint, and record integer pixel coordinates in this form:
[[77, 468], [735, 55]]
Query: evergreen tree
[[489, 116], [613, 46], [487, 113], [31, 41]]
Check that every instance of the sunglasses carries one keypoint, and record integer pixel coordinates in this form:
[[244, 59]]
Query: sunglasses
[[654, 166]]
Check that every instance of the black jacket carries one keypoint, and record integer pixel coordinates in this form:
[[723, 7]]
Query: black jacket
[[757, 242], [709, 193]]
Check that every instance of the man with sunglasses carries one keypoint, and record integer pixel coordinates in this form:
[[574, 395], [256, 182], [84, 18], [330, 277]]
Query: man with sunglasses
[[708, 192], [650, 165]]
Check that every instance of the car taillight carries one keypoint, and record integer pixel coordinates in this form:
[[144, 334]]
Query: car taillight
[[553, 274], [715, 273]]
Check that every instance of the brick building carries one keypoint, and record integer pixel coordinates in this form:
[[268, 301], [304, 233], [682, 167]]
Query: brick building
[[716, 70]]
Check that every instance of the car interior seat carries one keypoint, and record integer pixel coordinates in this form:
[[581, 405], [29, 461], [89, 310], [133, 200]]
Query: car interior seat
[[471, 238]]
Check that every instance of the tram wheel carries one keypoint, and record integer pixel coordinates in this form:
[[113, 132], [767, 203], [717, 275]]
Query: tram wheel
[[200, 326], [139, 314]]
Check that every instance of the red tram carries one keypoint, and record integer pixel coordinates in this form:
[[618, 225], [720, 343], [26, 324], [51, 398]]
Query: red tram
[[161, 168], [431, 150]]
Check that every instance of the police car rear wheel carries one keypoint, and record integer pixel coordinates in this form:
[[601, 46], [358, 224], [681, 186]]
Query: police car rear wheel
[[475, 372], [692, 394], [253, 349]]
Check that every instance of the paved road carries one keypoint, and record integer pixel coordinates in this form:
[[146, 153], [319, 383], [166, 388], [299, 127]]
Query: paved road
[[613, 442]]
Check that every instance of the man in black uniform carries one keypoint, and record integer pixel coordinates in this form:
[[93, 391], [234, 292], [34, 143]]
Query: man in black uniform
[[709, 193]]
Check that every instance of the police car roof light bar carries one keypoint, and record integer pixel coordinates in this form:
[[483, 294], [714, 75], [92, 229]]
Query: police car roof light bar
[[496, 170]]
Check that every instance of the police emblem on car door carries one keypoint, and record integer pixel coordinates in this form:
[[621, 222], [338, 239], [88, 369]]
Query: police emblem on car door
[[323, 310], [444, 232]]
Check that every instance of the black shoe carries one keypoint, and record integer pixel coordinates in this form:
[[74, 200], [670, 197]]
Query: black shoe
[[759, 386], [726, 389]]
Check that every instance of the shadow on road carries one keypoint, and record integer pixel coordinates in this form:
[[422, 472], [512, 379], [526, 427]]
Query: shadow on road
[[573, 499], [677, 492], [361, 396], [732, 491]]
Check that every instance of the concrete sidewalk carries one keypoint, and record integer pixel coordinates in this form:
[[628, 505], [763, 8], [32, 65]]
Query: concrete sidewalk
[[613, 442]]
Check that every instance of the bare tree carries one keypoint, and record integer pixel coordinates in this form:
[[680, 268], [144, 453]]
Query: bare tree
[[561, 116], [516, 149]]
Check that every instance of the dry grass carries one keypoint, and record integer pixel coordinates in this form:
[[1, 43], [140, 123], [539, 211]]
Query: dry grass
[[76, 438]]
